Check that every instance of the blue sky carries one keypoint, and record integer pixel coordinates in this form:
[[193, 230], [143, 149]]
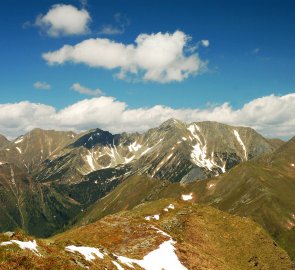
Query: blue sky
[[251, 52]]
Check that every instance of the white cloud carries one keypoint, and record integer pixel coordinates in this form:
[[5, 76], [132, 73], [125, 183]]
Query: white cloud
[[272, 115], [18, 118], [205, 42], [86, 91], [42, 85], [108, 29], [157, 57], [120, 24], [64, 20]]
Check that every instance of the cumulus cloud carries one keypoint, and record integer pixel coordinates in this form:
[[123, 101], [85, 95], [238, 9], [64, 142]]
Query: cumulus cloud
[[18, 118], [42, 85], [272, 115], [86, 91], [64, 20], [159, 57]]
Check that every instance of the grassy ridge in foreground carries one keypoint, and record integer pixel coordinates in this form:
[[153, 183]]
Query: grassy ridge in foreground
[[205, 238]]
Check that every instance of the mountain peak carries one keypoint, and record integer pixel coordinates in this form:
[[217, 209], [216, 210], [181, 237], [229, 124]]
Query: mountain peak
[[172, 122], [3, 140], [94, 137]]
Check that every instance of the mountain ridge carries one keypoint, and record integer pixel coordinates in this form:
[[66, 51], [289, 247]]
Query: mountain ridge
[[75, 170], [182, 235]]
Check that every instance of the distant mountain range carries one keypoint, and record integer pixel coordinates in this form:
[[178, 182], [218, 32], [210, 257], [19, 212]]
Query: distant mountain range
[[52, 180]]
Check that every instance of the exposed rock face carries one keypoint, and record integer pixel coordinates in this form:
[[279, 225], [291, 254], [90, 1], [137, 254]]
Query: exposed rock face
[[262, 189], [49, 177]]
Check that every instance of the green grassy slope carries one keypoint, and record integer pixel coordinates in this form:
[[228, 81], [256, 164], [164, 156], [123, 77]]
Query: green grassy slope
[[206, 238], [263, 189]]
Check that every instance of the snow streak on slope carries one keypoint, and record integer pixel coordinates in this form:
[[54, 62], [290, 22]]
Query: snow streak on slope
[[19, 140], [134, 147], [90, 161], [199, 153], [241, 143], [127, 160], [145, 151]]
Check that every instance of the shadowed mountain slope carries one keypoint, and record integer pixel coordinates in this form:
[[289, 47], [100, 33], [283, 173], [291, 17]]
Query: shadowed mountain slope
[[50, 177]]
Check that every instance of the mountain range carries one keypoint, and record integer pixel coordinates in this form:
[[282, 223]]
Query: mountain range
[[59, 182]]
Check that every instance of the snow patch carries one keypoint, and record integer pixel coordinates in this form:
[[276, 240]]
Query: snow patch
[[31, 245], [199, 152], [156, 217], [187, 197], [134, 147], [241, 143], [162, 258], [89, 159], [169, 156], [193, 127], [171, 206], [119, 267], [19, 150], [89, 253], [211, 186], [19, 140], [293, 165], [127, 160], [145, 151], [199, 157]]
